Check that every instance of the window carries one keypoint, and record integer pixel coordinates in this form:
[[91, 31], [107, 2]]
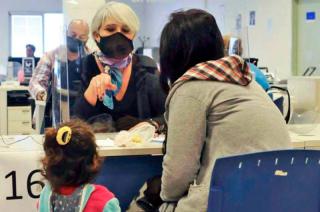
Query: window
[[53, 30], [26, 29], [44, 31]]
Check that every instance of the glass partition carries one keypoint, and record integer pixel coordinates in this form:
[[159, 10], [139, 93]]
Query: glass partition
[[60, 91]]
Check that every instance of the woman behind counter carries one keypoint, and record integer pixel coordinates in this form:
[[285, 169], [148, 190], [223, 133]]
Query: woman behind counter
[[214, 109], [115, 81]]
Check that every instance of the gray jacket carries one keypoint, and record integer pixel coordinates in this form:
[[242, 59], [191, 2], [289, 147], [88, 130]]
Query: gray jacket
[[208, 120]]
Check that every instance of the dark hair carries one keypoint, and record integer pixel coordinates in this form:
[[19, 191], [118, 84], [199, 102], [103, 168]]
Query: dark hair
[[32, 47], [75, 163], [190, 37]]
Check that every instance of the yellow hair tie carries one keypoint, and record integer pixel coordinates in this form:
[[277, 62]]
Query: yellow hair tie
[[60, 135]]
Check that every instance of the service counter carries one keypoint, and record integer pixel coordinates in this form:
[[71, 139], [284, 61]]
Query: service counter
[[124, 170]]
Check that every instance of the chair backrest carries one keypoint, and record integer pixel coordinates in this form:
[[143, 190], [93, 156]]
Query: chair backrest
[[277, 181]]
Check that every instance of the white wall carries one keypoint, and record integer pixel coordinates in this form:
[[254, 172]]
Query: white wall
[[156, 14], [152, 14], [270, 39], [308, 32], [8, 6], [85, 10]]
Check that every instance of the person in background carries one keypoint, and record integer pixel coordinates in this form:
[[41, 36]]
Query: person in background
[[116, 81], [77, 36], [237, 50], [70, 163], [214, 109], [30, 49]]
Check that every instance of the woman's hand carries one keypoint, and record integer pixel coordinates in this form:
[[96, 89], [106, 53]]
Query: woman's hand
[[97, 88]]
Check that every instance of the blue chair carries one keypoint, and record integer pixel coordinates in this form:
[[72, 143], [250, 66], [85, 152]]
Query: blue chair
[[276, 181]]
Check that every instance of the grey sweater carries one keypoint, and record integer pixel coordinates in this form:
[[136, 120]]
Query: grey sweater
[[208, 120]]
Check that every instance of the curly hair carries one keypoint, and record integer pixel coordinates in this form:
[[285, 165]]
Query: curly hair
[[75, 163]]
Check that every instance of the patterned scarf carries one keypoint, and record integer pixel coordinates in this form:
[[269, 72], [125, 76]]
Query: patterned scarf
[[111, 62], [231, 69], [112, 67]]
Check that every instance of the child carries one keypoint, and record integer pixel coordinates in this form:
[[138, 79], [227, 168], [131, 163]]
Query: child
[[71, 161]]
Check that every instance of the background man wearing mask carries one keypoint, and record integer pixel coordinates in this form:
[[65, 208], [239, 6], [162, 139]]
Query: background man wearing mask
[[77, 36]]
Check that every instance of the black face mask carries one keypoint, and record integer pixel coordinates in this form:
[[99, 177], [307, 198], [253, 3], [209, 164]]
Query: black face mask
[[74, 45], [115, 46]]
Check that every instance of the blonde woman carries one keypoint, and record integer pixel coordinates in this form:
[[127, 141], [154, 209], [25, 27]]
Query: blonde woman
[[116, 81]]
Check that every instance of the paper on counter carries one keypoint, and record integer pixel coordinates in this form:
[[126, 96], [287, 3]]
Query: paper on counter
[[21, 142], [110, 143], [105, 143], [159, 139]]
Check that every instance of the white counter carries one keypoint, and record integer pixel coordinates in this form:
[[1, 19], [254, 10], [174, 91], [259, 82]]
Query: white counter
[[21, 168], [310, 139], [305, 136], [34, 143], [20, 164]]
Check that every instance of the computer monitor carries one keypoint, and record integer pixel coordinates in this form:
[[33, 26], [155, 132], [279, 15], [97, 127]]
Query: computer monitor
[[234, 46], [147, 52], [28, 64], [152, 53]]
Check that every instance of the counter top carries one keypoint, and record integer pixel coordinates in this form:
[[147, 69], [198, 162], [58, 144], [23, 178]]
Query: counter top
[[21, 143], [305, 135], [302, 136]]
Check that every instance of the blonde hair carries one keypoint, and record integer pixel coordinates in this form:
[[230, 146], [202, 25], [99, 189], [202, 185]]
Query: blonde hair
[[118, 11]]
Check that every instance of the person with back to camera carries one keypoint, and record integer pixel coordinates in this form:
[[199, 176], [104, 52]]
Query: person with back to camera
[[115, 81], [70, 163], [214, 109]]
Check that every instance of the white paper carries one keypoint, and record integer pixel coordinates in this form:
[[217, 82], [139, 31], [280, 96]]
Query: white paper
[[159, 139], [20, 142], [105, 143]]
